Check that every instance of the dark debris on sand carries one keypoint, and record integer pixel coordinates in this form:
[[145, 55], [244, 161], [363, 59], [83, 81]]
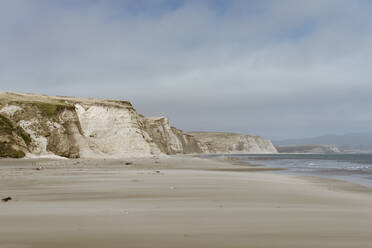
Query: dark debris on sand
[[6, 199]]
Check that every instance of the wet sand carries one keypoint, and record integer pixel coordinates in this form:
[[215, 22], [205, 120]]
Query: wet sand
[[175, 202]]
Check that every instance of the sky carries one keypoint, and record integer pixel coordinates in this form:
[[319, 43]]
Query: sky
[[276, 68]]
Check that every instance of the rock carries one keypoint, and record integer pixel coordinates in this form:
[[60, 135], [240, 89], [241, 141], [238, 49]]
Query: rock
[[171, 140], [4, 139]]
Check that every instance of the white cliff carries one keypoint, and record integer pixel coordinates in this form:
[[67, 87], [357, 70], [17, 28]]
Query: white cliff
[[171, 140], [233, 143], [114, 131], [44, 126]]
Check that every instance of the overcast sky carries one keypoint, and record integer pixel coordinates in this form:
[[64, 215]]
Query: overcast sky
[[280, 68]]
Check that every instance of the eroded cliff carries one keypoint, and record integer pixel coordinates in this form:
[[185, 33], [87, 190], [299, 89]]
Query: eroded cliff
[[230, 143], [43, 126], [171, 140]]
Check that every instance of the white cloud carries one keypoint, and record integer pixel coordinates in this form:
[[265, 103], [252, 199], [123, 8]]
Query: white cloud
[[241, 69]]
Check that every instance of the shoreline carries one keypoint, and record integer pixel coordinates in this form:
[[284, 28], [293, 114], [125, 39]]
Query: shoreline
[[363, 183], [217, 164], [177, 201], [335, 184]]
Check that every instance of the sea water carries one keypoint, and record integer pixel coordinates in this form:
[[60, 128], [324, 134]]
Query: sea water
[[350, 167]]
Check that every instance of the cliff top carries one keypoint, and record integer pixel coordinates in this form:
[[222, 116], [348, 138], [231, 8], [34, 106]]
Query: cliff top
[[9, 97], [219, 134]]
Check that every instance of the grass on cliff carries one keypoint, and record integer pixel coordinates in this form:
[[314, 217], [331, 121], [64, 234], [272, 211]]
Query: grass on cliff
[[7, 151], [6, 126], [47, 109], [25, 136], [50, 109], [6, 129]]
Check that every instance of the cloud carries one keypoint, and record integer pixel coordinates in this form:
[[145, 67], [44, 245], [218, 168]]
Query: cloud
[[276, 68]]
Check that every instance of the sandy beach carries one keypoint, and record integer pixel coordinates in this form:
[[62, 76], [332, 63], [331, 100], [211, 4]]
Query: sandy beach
[[176, 201]]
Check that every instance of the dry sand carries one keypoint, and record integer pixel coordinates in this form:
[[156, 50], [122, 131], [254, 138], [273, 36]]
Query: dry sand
[[175, 202]]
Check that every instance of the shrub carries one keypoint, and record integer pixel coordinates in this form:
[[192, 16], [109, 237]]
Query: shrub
[[25, 136], [6, 150], [6, 126], [50, 109]]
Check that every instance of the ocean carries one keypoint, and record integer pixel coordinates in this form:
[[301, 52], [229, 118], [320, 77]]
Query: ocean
[[355, 168]]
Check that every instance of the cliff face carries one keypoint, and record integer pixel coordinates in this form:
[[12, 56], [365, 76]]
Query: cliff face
[[72, 127], [114, 131], [35, 125], [234, 143], [171, 140], [39, 128]]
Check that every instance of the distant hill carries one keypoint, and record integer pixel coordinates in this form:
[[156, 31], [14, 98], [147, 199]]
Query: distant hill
[[349, 142]]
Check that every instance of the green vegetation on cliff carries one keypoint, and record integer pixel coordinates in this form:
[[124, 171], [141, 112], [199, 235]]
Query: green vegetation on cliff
[[6, 126], [51, 109], [6, 150], [25, 136], [6, 146]]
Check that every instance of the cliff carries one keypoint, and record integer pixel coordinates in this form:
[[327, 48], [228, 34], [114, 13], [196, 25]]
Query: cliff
[[171, 140], [234, 143], [72, 127], [43, 126], [318, 149]]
